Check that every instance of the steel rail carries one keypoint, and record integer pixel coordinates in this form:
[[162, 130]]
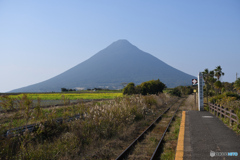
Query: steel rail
[[156, 153], [33, 127], [126, 152]]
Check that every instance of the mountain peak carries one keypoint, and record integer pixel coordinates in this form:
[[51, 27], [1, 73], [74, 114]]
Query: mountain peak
[[121, 42]]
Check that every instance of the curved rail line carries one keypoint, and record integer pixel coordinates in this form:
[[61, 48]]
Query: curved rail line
[[155, 155]]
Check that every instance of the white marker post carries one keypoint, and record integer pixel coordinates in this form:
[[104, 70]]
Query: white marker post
[[200, 92]]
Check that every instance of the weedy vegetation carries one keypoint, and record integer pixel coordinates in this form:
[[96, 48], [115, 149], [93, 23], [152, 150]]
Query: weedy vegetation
[[103, 130]]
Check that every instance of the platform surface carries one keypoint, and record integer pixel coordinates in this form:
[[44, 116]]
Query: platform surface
[[205, 134]]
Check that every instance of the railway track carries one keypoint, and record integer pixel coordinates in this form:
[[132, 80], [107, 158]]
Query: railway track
[[148, 144], [33, 127]]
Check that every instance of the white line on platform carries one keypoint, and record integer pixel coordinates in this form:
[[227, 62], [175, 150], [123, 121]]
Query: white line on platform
[[207, 116]]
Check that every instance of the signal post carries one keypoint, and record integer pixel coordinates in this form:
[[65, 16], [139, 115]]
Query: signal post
[[194, 84]]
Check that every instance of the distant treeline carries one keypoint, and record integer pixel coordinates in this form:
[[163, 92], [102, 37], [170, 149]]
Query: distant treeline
[[97, 89], [66, 90], [149, 87]]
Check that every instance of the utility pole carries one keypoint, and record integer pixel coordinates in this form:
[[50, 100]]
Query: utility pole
[[236, 76]]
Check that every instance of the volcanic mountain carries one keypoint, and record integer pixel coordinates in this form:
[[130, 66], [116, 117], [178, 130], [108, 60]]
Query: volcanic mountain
[[118, 63]]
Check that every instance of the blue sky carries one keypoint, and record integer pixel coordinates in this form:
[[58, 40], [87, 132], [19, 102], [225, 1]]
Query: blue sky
[[41, 39]]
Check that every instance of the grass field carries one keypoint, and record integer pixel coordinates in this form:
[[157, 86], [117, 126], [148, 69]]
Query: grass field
[[70, 96]]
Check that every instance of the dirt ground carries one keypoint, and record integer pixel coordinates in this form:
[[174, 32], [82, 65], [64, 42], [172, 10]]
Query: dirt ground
[[189, 103]]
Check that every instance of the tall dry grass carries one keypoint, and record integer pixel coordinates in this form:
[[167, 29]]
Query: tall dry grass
[[104, 128]]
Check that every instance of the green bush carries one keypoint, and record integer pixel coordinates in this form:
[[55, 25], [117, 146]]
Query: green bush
[[129, 89], [152, 87], [176, 92], [216, 98], [232, 94], [149, 87], [186, 90]]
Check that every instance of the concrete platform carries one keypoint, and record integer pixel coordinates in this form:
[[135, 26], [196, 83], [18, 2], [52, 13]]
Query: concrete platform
[[205, 133]]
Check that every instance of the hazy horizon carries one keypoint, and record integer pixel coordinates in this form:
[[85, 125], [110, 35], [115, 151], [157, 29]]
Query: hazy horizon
[[41, 39]]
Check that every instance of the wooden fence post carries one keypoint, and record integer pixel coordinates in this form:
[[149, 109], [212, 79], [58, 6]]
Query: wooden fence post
[[237, 121], [231, 117], [218, 110], [214, 109], [221, 112], [226, 109]]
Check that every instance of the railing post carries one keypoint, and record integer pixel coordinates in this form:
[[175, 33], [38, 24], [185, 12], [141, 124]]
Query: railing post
[[226, 109], [221, 112], [218, 110], [237, 121], [231, 117], [214, 109]]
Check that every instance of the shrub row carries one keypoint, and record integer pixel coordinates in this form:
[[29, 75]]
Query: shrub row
[[226, 94]]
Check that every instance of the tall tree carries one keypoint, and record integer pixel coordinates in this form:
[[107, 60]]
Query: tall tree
[[205, 77], [218, 86], [218, 72], [209, 79]]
